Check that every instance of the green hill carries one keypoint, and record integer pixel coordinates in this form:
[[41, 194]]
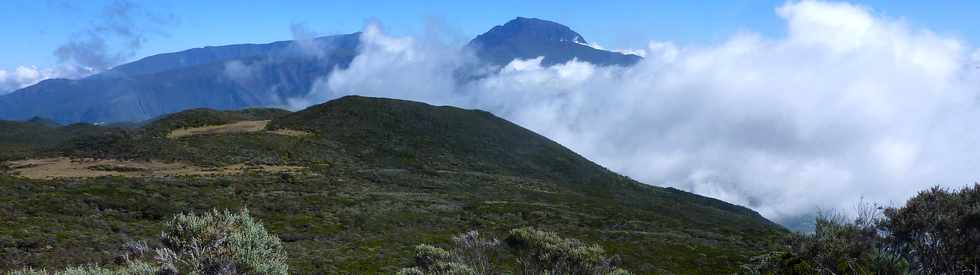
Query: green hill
[[381, 176]]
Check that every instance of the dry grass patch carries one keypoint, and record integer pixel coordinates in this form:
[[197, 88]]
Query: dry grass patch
[[288, 132], [52, 168], [248, 126]]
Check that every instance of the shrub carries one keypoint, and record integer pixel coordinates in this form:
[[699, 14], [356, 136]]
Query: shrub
[[836, 246], [220, 243], [938, 231], [212, 243], [539, 252], [470, 254], [132, 268], [545, 252]]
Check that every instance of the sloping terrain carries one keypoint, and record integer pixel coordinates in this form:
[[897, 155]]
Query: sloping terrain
[[527, 38], [380, 176], [225, 77]]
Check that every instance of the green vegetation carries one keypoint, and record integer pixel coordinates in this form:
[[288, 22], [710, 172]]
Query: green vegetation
[[538, 252], [220, 243], [37, 138], [212, 243], [936, 232], [469, 255], [382, 176], [547, 253]]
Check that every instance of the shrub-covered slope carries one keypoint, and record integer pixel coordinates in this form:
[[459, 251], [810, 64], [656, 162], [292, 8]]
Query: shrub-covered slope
[[382, 176]]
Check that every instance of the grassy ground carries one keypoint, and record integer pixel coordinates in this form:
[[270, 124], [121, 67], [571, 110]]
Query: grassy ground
[[380, 177], [62, 167], [247, 126], [352, 221]]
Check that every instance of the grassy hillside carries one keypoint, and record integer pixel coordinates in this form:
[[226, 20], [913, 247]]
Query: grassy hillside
[[382, 176]]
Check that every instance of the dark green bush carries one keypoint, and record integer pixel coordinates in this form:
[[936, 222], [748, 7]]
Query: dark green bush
[[938, 230], [935, 232]]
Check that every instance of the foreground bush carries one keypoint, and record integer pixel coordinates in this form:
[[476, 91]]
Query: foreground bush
[[545, 252], [220, 243], [469, 254], [935, 232], [938, 231], [539, 252], [836, 246], [212, 243], [139, 268]]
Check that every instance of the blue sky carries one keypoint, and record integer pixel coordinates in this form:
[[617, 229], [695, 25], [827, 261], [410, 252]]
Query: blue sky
[[34, 29]]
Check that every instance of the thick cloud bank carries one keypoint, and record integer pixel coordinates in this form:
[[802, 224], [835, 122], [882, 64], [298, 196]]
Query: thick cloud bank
[[849, 104]]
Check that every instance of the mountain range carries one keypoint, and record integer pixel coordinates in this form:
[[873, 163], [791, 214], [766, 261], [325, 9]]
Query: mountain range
[[256, 75]]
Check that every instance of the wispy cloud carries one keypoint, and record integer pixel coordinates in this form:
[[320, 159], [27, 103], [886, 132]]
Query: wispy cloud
[[119, 32]]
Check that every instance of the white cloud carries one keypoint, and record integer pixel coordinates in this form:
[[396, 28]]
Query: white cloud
[[23, 76], [20, 77], [239, 72], [849, 104], [597, 46]]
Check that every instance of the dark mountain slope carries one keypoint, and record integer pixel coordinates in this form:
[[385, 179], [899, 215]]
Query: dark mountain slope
[[200, 56], [381, 176], [398, 133], [403, 134], [526, 38]]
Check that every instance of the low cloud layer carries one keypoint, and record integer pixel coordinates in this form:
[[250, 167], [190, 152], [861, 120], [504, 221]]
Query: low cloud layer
[[23, 76], [18, 78], [848, 105]]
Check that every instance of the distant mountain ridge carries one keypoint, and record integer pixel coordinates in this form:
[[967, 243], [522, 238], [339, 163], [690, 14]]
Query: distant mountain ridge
[[526, 38], [260, 75], [200, 56], [225, 77]]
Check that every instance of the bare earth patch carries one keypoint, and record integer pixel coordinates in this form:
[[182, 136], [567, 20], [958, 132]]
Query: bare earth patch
[[288, 132], [52, 168], [249, 126]]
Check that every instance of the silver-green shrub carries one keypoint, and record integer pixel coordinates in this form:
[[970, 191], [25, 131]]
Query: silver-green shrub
[[216, 242], [469, 255], [220, 243], [539, 252], [543, 252], [131, 268]]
